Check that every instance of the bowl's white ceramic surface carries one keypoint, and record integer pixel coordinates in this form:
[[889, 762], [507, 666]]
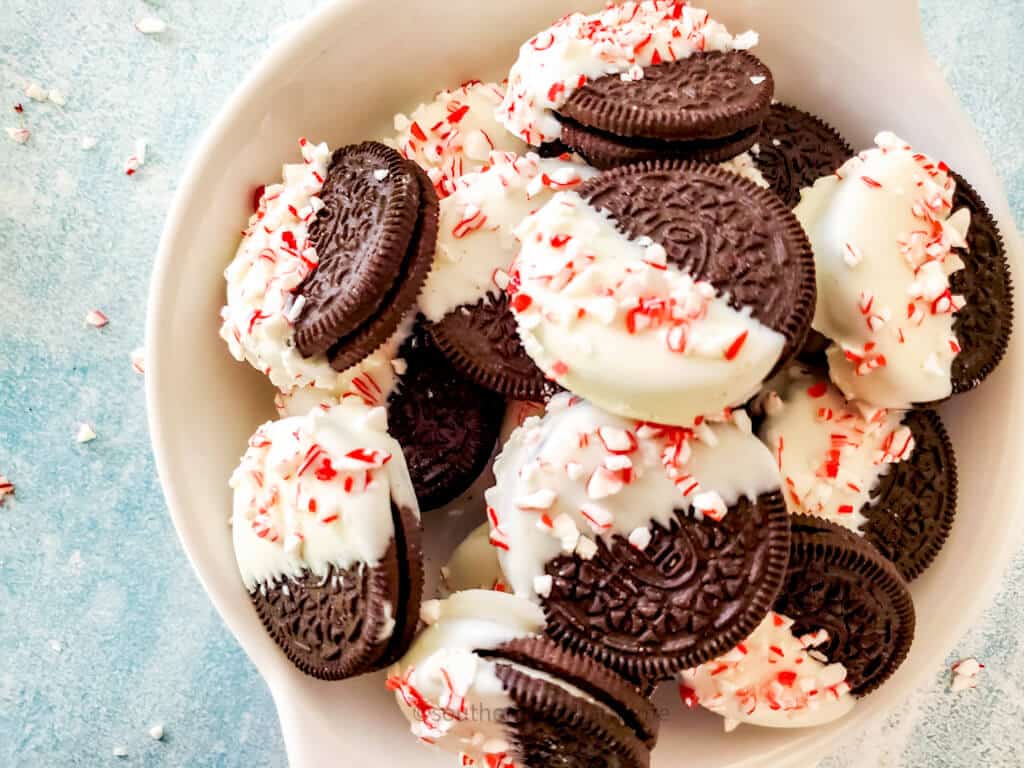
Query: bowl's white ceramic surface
[[340, 78]]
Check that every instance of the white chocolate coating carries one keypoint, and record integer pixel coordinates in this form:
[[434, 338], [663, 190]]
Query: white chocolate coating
[[451, 695], [621, 40], [610, 319], [580, 473], [476, 244], [883, 237], [455, 133], [832, 453], [370, 381], [474, 564], [771, 679], [316, 491], [274, 257]]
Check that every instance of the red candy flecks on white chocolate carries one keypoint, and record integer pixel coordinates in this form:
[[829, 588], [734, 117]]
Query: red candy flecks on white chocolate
[[884, 241], [773, 679], [455, 133], [273, 259], [317, 491], [831, 452], [580, 474], [609, 317], [621, 40]]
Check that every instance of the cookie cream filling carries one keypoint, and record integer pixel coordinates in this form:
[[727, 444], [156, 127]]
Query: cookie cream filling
[[455, 133], [621, 40], [275, 256], [476, 242], [744, 165], [883, 241], [832, 453], [317, 491], [452, 696], [474, 564], [611, 319], [370, 381], [580, 474], [773, 679]]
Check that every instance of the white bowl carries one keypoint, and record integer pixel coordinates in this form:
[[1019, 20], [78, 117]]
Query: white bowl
[[340, 78]]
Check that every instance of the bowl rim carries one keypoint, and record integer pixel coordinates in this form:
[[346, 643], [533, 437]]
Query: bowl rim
[[290, 46]]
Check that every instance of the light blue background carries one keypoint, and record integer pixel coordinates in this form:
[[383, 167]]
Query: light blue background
[[103, 628]]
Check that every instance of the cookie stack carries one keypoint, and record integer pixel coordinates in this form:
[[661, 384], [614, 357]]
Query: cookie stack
[[706, 342]]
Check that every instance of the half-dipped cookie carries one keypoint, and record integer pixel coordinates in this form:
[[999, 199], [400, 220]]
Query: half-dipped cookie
[[664, 290], [887, 241], [447, 425], [887, 475], [464, 297], [327, 536], [842, 625], [649, 548], [482, 681], [638, 82]]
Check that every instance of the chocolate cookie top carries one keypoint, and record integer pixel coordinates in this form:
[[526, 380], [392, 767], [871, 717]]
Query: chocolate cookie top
[[447, 425], [412, 273], [795, 149], [642, 552], [706, 96], [912, 511], [983, 327], [371, 202], [839, 583]]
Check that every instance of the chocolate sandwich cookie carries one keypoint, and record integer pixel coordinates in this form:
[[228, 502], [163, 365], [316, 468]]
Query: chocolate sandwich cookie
[[517, 701], [328, 541], [447, 425], [690, 274], [888, 476], [795, 149], [641, 552], [463, 297], [983, 326], [706, 107], [374, 238], [838, 583]]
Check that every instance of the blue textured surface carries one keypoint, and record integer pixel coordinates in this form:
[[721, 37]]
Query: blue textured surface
[[103, 628]]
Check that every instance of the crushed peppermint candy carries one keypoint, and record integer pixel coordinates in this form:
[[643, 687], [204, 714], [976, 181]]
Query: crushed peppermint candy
[[150, 25], [19, 135], [137, 159], [6, 489], [120, 751], [36, 92], [965, 674], [89, 142], [57, 97], [455, 133], [622, 39], [85, 433], [96, 318], [138, 358], [156, 732]]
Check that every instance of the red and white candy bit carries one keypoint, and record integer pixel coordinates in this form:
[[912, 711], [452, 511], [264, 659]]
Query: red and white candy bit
[[137, 159], [6, 489], [96, 318], [965, 674], [19, 135], [138, 358], [710, 505]]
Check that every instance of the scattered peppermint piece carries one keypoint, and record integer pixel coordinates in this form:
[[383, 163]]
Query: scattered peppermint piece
[[89, 142], [19, 108], [57, 97], [56, 646], [85, 433], [965, 674], [119, 751], [150, 25], [136, 160], [6, 489], [758, 79], [19, 135], [96, 318], [156, 732], [139, 360], [35, 92], [640, 538]]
